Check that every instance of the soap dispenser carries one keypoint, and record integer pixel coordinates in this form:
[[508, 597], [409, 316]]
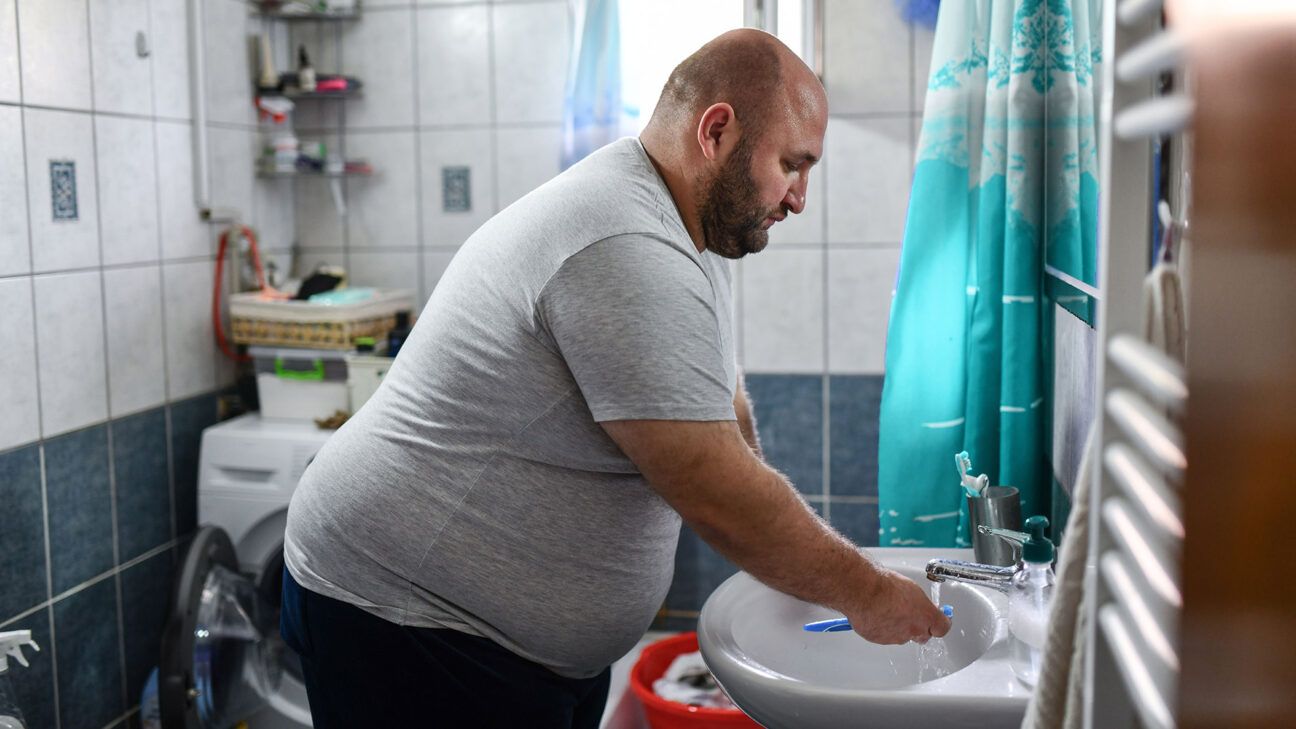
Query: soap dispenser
[[11, 645], [1028, 602]]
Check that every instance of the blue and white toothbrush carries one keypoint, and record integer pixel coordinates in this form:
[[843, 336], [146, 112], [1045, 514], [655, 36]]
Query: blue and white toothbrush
[[838, 625]]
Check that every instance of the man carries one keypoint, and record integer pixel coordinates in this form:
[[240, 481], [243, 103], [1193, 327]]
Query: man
[[497, 525]]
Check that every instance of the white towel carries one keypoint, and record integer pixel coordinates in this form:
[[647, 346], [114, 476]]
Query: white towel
[[1058, 700]]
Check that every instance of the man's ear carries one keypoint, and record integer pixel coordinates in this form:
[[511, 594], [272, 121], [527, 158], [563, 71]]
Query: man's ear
[[717, 132]]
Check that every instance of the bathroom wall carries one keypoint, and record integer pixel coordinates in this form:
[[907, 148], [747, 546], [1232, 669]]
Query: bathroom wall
[[109, 367]]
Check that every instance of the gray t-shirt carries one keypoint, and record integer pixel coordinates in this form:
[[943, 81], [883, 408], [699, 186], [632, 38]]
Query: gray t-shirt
[[476, 490]]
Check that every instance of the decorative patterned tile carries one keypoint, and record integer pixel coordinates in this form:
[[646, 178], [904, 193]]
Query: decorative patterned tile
[[146, 591], [34, 685], [857, 522], [55, 42], [68, 239], [90, 684], [18, 387], [188, 418], [854, 402], [461, 148], [22, 540], [79, 499], [143, 484], [789, 418]]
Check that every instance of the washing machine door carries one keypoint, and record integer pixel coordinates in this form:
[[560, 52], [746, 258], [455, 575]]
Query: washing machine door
[[221, 649]]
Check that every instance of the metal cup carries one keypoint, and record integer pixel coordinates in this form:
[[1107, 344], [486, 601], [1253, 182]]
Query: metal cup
[[997, 506]]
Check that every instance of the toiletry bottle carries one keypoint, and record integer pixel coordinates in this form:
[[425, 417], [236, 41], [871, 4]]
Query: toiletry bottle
[[305, 71], [396, 337], [1028, 602], [11, 645]]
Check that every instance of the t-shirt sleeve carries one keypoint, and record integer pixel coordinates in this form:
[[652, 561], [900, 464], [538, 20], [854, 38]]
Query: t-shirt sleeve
[[634, 318]]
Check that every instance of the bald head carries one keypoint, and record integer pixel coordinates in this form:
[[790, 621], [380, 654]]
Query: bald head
[[748, 69]]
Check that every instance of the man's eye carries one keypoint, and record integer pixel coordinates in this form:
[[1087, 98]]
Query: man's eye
[[789, 167]]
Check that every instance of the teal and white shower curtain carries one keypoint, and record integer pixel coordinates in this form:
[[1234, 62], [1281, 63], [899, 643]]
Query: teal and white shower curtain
[[594, 113], [1006, 160]]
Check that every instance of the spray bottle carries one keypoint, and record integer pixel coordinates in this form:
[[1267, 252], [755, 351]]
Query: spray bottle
[[11, 645], [1028, 602]]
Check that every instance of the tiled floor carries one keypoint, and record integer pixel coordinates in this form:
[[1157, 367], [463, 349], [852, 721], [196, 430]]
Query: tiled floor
[[622, 710]]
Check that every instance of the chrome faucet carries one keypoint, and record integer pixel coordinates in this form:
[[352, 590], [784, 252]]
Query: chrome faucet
[[972, 573], [975, 573]]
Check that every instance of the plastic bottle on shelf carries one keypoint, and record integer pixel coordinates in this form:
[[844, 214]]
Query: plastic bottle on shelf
[[11, 645], [1028, 602]]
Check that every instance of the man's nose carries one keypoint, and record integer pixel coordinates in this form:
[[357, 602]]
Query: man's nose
[[795, 198]]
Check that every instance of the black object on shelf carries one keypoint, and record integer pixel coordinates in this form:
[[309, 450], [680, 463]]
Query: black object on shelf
[[396, 337]]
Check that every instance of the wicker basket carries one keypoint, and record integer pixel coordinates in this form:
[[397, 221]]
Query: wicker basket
[[254, 320]]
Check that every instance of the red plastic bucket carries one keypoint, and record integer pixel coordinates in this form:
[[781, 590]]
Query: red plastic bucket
[[663, 714]]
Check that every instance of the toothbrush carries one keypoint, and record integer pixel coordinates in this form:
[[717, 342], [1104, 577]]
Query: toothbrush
[[840, 625], [973, 485]]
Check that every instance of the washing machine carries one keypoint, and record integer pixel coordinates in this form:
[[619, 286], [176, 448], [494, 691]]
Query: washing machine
[[223, 660]]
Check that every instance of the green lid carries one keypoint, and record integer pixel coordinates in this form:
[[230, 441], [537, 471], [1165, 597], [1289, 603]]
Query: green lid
[[1038, 549]]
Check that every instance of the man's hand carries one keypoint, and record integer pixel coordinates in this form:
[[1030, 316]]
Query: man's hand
[[897, 611]]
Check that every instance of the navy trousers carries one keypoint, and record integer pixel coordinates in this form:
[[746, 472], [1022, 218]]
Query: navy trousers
[[363, 671]]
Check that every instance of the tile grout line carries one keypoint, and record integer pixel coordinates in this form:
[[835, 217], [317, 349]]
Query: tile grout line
[[825, 456], [419, 223], [494, 111]]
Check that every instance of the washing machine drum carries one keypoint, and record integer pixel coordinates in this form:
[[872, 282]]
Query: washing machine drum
[[222, 656]]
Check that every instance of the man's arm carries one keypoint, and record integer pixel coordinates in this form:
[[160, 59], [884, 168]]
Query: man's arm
[[749, 512], [746, 418]]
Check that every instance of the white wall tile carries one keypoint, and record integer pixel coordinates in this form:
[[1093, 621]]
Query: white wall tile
[[387, 270], [434, 265], [868, 179], [136, 373], [924, 39], [531, 49], [9, 79], [128, 223], [60, 135], [273, 216], [866, 56], [860, 283], [808, 227], [122, 80], [70, 337], [471, 148], [190, 343], [227, 48], [184, 234], [170, 45], [379, 50], [454, 65], [528, 158], [18, 391], [54, 37], [15, 248], [233, 159], [383, 209], [318, 224], [783, 304]]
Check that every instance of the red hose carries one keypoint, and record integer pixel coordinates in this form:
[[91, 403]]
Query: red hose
[[267, 291]]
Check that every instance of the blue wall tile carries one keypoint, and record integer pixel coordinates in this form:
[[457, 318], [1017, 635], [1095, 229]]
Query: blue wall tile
[[853, 405], [857, 522], [80, 506], [34, 685], [188, 418], [22, 536], [143, 485], [89, 679], [146, 592], [789, 418]]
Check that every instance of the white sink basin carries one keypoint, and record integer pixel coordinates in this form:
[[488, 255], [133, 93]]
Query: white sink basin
[[752, 639]]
